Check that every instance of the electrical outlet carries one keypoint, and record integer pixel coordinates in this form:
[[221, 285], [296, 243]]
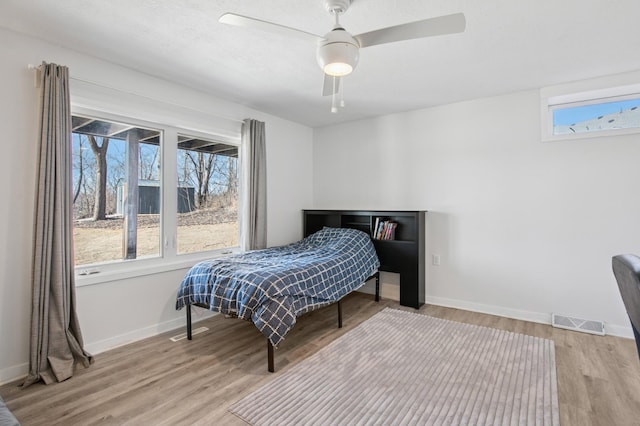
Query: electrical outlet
[[435, 259]]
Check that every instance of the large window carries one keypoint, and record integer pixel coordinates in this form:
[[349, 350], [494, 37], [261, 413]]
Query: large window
[[129, 202]]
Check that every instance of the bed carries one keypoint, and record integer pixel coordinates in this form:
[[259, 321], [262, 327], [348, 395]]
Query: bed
[[6, 417], [274, 286]]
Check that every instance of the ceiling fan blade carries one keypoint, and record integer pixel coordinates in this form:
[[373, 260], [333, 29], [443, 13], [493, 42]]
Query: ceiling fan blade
[[331, 85], [448, 24], [245, 21]]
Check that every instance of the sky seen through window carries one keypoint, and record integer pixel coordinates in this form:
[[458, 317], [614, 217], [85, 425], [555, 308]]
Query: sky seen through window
[[572, 115]]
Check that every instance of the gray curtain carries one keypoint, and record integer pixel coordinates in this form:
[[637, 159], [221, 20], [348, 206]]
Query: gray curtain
[[56, 340], [254, 234]]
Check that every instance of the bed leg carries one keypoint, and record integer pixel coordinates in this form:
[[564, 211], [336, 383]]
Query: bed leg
[[270, 357], [189, 321], [340, 313], [377, 286]]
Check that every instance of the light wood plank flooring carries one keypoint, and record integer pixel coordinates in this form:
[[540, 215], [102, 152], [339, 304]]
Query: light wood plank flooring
[[159, 382]]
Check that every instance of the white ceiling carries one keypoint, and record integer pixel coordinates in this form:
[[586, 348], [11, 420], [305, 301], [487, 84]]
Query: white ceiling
[[508, 46]]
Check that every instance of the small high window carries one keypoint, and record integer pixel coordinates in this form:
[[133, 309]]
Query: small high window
[[596, 116], [605, 106]]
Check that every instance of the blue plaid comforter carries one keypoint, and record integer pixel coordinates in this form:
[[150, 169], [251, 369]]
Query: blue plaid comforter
[[272, 287]]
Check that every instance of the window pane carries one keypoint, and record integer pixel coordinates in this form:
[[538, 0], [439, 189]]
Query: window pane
[[113, 164], [622, 114], [207, 195]]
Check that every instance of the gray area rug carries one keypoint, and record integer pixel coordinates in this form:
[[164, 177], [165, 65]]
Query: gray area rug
[[401, 368]]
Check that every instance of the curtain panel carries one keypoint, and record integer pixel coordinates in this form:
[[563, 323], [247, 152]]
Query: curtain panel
[[56, 339], [253, 233]]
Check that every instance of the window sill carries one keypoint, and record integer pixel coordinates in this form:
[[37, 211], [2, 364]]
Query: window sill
[[99, 274]]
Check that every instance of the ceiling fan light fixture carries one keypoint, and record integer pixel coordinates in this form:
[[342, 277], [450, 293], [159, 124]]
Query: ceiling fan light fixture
[[338, 54], [338, 69]]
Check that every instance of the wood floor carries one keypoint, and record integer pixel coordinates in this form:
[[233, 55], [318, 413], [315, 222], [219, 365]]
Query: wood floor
[[159, 382]]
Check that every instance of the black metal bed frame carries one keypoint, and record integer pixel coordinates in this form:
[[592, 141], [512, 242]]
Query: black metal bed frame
[[270, 360]]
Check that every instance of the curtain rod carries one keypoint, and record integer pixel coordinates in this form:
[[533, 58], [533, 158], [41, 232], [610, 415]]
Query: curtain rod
[[38, 68]]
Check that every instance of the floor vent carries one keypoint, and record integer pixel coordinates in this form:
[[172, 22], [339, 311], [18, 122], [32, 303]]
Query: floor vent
[[182, 336], [578, 324]]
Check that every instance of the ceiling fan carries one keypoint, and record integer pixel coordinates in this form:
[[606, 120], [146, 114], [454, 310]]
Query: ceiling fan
[[338, 50]]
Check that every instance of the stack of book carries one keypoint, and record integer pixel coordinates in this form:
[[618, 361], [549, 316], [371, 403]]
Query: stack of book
[[384, 230]]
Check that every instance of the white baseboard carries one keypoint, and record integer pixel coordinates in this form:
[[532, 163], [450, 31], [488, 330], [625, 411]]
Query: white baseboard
[[132, 336], [538, 317], [500, 311], [619, 330], [143, 333], [387, 291], [15, 372], [20, 371]]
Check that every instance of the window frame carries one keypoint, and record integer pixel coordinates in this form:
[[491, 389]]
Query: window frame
[[168, 258], [589, 92], [211, 138]]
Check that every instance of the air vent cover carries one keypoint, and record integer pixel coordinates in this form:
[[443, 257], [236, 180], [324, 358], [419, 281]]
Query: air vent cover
[[578, 324], [182, 336]]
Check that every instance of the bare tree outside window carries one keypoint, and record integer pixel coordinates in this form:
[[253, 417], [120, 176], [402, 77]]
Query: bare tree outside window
[[101, 185], [100, 153], [207, 195]]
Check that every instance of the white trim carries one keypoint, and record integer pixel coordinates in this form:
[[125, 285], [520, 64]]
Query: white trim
[[143, 333], [619, 330], [97, 274], [140, 95], [20, 371], [111, 100], [537, 317], [13, 373], [186, 130]]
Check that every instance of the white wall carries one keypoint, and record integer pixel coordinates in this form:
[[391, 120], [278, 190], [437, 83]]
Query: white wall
[[523, 228], [119, 311]]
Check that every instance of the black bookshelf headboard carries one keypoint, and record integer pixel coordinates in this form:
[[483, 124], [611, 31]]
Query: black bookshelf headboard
[[404, 254]]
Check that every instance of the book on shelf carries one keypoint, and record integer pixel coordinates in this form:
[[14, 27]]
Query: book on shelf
[[384, 230]]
